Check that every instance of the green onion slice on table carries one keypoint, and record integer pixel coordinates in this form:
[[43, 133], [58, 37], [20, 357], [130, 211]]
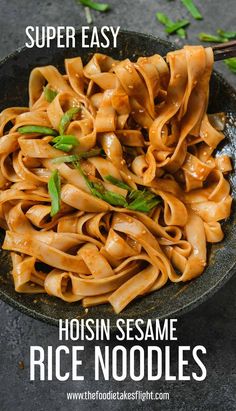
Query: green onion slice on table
[[229, 35], [193, 10], [176, 26], [211, 38], [164, 19], [94, 5], [231, 63]]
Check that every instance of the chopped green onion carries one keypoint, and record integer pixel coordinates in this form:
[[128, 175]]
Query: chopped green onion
[[231, 63], [143, 201], [143, 205], [79, 168], [137, 200], [94, 5], [88, 15], [193, 10], [135, 194], [54, 189], [66, 119], [65, 142], [140, 200], [65, 159], [91, 153], [162, 18], [211, 38], [37, 129], [229, 35], [92, 186], [117, 182], [176, 26], [112, 198], [49, 94], [76, 157], [98, 190], [181, 33], [63, 147], [66, 139]]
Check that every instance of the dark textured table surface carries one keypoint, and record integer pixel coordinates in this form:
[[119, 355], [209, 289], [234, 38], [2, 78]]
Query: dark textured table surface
[[212, 324]]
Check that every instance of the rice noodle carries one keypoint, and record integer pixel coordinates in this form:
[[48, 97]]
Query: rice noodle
[[150, 119]]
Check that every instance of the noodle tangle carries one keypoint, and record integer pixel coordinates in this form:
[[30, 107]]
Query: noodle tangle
[[144, 193]]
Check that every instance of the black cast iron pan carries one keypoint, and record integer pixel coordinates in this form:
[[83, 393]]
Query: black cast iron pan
[[173, 299]]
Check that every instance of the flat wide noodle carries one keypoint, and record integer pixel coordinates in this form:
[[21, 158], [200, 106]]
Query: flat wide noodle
[[147, 126]]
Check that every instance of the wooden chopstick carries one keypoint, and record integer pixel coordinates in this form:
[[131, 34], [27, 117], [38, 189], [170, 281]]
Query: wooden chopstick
[[224, 51]]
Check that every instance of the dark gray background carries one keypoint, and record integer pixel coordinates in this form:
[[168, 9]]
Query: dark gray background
[[212, 324]]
